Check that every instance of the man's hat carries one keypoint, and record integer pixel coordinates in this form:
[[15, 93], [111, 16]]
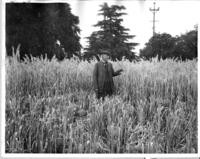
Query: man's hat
[[104, 52]]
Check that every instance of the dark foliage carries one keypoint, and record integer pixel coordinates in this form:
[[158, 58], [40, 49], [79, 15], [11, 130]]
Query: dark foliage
[[37, 27], [165, 46]]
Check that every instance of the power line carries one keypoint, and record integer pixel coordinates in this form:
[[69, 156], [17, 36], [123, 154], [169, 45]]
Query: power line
[[154, 10]]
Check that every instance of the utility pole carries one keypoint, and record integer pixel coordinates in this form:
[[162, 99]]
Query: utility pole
[[154, 10]]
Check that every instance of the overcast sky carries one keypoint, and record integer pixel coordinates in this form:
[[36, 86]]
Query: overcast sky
[[174, 17]]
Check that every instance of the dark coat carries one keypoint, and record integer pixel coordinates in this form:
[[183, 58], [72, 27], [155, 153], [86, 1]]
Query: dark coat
[[99, 75]]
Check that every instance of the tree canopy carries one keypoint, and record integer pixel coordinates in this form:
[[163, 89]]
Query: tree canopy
[[165, 46], [37, 27]]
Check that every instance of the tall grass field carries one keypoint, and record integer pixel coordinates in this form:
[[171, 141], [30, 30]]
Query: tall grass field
[[51, 108]]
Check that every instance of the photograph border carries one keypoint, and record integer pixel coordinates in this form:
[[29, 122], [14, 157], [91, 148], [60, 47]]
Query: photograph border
[[51, 155]]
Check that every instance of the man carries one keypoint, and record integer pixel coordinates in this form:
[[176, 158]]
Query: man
[[59, 51], [103, 76]]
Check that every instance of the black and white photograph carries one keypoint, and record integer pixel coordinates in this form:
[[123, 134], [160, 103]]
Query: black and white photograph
[[176, 158], [100, 77]]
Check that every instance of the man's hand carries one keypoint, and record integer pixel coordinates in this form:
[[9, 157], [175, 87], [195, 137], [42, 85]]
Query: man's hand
[[120, 71]]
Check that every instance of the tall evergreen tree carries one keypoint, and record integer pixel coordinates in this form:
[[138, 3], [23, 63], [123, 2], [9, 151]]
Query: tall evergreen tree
[[112, 36], [37, 27]]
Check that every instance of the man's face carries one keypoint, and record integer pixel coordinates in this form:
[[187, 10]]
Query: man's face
[[105, 57]]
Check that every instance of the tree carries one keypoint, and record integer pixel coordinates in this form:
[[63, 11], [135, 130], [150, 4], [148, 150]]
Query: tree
[[186, 46], [112, 36], [165, 46], [37, 27], [160, 45]]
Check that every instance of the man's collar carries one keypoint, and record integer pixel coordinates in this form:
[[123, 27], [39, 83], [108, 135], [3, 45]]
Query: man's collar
[[104, 62]]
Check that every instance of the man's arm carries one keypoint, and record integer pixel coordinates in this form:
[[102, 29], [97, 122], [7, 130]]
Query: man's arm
[[116, 73], [95, 77]]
